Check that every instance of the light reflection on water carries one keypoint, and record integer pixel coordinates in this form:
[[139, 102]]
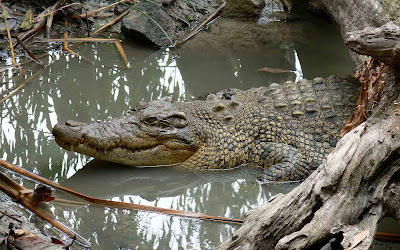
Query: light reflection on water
[[71, 88]]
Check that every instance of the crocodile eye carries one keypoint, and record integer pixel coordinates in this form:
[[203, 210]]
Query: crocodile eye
[[151, 121]]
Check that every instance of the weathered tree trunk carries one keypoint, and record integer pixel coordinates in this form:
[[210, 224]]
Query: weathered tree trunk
[[382, 42], [352, 190], [359, 183]]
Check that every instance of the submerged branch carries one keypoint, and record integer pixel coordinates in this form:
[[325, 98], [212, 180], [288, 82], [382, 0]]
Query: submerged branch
[[22, 85], [123, 205], [28, 51]]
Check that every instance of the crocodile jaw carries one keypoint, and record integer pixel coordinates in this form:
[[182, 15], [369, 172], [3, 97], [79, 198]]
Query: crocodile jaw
[[76, 137], [158, 155]]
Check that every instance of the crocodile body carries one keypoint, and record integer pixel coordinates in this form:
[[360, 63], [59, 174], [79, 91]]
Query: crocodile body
[[287, 129]]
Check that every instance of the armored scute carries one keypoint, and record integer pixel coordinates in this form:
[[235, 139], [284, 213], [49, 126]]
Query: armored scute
[[287, 129]]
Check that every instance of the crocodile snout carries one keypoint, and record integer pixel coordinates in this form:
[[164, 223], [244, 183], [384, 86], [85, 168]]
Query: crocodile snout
[[68, 131]]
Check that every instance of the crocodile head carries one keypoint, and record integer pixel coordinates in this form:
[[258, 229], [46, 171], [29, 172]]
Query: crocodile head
[[150, 134]]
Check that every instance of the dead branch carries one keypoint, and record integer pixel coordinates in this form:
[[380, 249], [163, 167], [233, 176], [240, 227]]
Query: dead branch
[[79, 39], [382, 43], [49, 23], [93, 12], [23, 84], [24, 197], [9, 35], [201, 25], [11, 217], [39, 25], [110, 23], [123, 205], [27, 50]]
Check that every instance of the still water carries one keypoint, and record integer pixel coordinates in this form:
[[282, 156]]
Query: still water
[[223, 56]]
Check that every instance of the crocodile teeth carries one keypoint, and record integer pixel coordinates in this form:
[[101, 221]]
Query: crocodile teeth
[[72, 147], [105, 152]]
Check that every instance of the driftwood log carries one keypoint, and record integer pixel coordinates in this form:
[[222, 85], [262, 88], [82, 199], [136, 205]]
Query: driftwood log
[[382, 43], [359, 182]]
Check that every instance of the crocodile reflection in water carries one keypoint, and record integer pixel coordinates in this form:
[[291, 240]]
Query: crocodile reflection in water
[[287, 129]]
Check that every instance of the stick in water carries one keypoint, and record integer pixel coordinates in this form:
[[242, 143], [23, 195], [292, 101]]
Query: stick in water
[[124, 205]]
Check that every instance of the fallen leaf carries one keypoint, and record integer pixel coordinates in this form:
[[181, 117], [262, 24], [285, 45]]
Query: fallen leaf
[[358, 238], [25, 239], [43, 193], [28, 21]]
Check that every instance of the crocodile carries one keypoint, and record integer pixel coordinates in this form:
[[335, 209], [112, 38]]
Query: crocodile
[[287, 129]]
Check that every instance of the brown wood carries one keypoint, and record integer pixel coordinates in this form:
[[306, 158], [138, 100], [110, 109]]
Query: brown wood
[[382, 43], [123, 205], [40, 23], [110, 23], [201, 25], [18, 192], [342, 198]]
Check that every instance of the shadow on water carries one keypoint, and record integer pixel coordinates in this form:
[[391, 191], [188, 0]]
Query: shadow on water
[[226, 193], [225, 56]]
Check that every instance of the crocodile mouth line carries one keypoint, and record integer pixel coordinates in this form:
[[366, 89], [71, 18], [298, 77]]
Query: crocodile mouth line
[[83, 144]]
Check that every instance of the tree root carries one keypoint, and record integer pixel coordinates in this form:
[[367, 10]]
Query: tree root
[[341, 202]]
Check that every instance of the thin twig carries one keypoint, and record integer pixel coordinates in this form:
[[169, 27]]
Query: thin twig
[[123, 205], [90, 39], [121, 52], [11, 217], [91, 13], [65, 45], [49, 23], [110, 23], [26, 202], [77, 39], [8, 34], [56, 10], [201, 25], [79, 56], [22, 85], [39, 25], [28, 50]]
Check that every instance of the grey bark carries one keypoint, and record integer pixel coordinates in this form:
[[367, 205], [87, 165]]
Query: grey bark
[[348, 194], [359, 182], [382, 43]]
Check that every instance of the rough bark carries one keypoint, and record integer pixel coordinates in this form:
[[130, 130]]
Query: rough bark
[[360, 14], [347, 195], [359, 182], [382, 43]]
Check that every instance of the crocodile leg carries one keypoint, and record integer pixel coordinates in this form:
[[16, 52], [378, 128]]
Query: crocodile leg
[[281, 162]]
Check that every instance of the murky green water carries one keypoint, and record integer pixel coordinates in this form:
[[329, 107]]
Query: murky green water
[[71, 88]]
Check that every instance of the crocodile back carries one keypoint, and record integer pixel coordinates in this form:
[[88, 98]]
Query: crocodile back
[[332, 99]]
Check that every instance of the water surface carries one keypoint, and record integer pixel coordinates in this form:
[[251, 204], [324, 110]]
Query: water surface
[[224, 56]]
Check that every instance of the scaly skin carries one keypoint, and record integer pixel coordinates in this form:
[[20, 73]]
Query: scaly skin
[[287, 129]]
